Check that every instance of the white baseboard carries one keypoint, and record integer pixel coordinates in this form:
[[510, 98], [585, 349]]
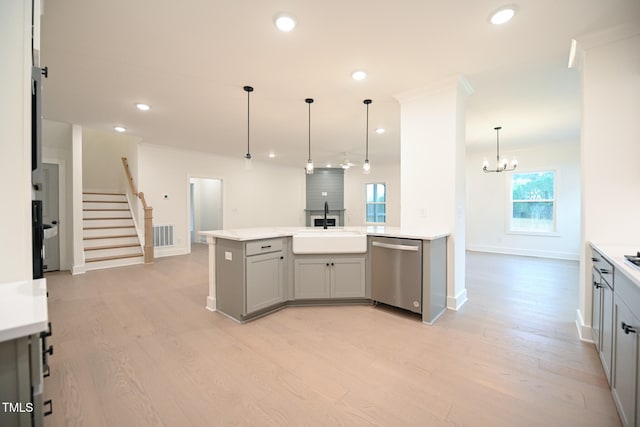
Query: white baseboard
[[211, 304], [169, 251], [584, 331], [525, 252], [78, 269], [454, 303]]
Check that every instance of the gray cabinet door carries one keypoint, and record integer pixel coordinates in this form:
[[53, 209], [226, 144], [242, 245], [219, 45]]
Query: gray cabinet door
[[596, 308], [312, 278], [347, 278], [606, 330], [625, 375], [265, 283]]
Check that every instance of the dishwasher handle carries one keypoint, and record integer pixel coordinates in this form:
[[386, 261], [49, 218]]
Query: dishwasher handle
[[397, 247]]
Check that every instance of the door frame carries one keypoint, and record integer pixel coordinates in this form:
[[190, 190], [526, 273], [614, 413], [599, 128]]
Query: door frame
[[63, 218], [188, 210]]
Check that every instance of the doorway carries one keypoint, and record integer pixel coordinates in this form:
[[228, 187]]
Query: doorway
[[205, 207], [49, 193]]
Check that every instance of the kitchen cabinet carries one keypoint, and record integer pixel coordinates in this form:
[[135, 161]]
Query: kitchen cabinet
[[251, 276], [329, 277], [625, 381], [602, 310]]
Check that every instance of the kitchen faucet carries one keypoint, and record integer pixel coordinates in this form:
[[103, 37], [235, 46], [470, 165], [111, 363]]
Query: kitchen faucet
[[326, 212]]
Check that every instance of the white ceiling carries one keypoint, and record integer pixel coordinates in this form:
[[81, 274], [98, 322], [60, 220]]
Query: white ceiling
[[189, 60]]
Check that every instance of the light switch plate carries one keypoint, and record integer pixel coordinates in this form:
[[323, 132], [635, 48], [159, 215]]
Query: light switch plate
[[228, 256]]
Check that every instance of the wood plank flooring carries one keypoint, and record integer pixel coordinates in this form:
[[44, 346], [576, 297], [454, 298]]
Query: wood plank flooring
[[134, 346]]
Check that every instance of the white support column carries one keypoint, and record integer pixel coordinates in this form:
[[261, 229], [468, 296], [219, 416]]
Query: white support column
[[211, 299], [78, 266], [433, 171]]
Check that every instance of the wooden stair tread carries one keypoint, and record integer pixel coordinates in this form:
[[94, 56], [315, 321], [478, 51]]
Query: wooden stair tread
[[95, 248], [105, 210], [103, 193], [113, 257], [106, 218], [110, 237], [104, 201], [107, 227]]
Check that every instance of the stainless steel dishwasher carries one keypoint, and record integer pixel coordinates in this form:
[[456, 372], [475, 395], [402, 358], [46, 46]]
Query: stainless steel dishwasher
[[396, 272]]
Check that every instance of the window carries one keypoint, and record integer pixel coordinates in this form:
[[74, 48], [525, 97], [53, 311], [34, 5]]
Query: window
[[533, 202], [376, 203]]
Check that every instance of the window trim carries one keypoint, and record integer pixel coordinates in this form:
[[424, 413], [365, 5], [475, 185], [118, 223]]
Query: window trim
[[509, 205], [375, 203]]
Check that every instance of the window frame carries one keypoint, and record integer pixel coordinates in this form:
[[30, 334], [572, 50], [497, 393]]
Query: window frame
[[366, 203], [510, 201]]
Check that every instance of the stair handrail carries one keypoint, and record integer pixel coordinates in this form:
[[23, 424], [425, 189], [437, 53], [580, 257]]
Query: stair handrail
[[148, 215]]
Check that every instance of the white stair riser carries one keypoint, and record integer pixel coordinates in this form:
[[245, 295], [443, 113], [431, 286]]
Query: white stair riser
[[109, 232], [109, 242], [104, 206], [107, 222], [114, 197], [112, 252], [113, 263], [106, 214]]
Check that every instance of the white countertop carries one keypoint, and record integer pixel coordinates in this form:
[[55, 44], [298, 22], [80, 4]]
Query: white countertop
[[615, 255], [256, 233], [23, 308]]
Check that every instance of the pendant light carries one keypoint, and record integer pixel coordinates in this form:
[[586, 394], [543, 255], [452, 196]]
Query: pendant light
[[366, 168], [247, 157], [309, 167], [503, 164]]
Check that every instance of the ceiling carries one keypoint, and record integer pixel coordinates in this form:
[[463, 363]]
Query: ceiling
[[190, 59]]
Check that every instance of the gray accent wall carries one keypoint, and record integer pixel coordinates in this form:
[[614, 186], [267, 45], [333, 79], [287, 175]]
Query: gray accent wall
[[325, 185]]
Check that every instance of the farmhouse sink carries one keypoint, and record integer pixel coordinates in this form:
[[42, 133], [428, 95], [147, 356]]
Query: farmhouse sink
[[329, 242]]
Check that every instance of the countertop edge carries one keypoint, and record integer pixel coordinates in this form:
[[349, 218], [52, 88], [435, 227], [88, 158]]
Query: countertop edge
[[615, 255], [247, 234], [23, 307]]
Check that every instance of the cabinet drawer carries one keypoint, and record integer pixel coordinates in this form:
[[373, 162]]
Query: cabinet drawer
[[263, 246], [603, 266]]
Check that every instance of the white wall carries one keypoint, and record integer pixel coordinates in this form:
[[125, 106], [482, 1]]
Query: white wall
[[354, 193], [264, 196], [56, 148], [488, 201], [101, 160], [15, 134], [610, 149]]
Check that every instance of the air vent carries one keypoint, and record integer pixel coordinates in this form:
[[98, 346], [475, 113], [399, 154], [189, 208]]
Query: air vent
[[162, 236]]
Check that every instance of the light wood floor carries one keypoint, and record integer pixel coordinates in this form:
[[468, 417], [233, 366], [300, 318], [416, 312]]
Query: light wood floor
[[135, 346]]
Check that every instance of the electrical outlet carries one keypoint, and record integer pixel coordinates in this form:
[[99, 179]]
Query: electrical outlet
[[228, 256]]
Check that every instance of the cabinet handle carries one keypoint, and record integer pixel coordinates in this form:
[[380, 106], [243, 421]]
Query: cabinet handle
[[332, 264], [265, 247], [327, 264], [597, 285], [605, 271], [50, 411], [281, 257], [49, 350], [628, 328], [594, 259]]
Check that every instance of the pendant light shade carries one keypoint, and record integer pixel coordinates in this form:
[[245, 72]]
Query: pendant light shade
[[247, 157], [309, 167], [366, 167], [502, 164]]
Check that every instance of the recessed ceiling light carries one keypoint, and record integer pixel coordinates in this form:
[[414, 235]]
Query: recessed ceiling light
[[380, 131], [503, 15], [119, 129], [271, 155], [359, 75], [143, 107], [285, 22]]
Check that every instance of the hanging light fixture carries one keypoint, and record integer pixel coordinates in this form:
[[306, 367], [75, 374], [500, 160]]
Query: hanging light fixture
[[503, 164], [366, 168], [247, 157], [309, 167]]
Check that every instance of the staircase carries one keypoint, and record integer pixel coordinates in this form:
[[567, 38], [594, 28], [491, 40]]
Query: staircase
[[109, 234]]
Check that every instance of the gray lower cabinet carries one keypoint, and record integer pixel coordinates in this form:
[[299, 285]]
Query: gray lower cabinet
[[250, 276], [625, 382], [21, 382], [602, 310], [264, 281], [334, 277]]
